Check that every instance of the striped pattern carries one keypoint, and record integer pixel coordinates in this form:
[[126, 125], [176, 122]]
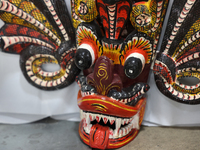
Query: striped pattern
[[163, 71], [41, 81], [158, 16], [188, 58], [191, 40], [10, 8], [74, 15], [112, 19], [180, 20], [56, 18], [11, 40], [181, 95]]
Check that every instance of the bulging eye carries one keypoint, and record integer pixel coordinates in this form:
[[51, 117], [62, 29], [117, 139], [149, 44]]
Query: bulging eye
[[85, 56], [134, 65]]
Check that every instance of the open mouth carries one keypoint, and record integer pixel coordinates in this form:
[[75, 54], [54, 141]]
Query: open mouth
[[118, 127], [107, 123]]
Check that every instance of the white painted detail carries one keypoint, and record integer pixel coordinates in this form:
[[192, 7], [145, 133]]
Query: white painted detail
[[131, 123], [138, 55], [90, 49]]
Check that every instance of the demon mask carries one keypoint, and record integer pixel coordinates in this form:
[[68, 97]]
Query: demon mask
[[116, 41]]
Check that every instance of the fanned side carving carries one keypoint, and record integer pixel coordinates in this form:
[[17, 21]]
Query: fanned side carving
[[41, 32], [179, 56]]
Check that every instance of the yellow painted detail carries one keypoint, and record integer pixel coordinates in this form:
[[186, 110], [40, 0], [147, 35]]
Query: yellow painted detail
[[193, 29], [29, 8], [131, 110], [150, 9], [81, 135], [37, 64], [91, 11]]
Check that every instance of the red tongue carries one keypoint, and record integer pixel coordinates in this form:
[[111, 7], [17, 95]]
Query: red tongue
[[99, 136]]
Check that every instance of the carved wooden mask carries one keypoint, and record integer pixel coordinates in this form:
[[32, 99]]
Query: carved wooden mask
[[116, 40], [41, 32], [179, 56]]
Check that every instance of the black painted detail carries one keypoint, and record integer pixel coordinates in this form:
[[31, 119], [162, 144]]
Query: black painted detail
[[133, 67], [83, 59], [2, 43], [135, 92]]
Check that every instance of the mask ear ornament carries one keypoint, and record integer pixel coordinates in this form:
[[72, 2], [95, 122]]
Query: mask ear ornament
[[179, 55], [41, 33]]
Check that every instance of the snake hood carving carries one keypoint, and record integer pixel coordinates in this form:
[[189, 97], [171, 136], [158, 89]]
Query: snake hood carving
[[41, 32], [116, 41]]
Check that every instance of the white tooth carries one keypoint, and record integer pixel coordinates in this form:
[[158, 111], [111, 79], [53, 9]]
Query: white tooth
[[92, 117], [88, 128], [105, 119], [120, 133], [87, 118], [127, 121], [129, 127], [123, 121], [81, 114], [125, 100], [135, 121], [117, 126], [111, 119], [116, 133], [111, 134], [98, 118], [118, 123], [124, 133]]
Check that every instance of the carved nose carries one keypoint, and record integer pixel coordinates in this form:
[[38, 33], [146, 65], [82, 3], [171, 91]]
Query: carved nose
[[103, 78]]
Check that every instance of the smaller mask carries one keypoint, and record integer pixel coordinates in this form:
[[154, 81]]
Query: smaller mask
[[179, 56]]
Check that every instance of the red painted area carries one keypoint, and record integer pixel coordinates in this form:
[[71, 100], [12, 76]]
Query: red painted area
[[121, 12], [17, 30], [110, 106], [99, 136]]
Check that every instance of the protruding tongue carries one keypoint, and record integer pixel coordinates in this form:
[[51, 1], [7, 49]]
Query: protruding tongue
[[99, 136]]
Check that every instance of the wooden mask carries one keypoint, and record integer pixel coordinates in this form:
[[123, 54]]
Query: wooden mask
[[41, 32], [116, 41], [179, 55]]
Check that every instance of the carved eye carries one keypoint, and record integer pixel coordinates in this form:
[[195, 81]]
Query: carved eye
[[85, 56], [134, 65], [83, 9]]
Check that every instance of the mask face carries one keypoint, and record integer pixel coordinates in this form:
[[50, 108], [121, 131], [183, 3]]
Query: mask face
[[114, 51], [177, 65]]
